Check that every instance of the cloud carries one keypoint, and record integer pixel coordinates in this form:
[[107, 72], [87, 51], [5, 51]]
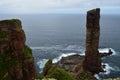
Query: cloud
[[38, 6]]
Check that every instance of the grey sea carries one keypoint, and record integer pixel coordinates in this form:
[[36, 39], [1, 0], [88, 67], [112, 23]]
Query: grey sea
[[59, 35]]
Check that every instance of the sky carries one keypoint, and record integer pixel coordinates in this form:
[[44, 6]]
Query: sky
[[57, 6]]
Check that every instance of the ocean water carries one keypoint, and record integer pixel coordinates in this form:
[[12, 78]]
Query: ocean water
[[59, 35]]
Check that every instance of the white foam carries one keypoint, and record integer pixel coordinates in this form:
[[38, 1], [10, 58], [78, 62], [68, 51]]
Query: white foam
[[108, 68], [74, 47], [106, 50], [41, 63], [47, 47], [97, 77], [60, 47], [63, 55]]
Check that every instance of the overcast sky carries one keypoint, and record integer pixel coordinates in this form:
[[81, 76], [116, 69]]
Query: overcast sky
[[58, 6]]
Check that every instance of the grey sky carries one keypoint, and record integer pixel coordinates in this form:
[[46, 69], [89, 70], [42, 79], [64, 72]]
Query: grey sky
[[57, 6]]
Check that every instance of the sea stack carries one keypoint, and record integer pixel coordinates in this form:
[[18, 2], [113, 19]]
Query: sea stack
[[92, 60], [16, 60]]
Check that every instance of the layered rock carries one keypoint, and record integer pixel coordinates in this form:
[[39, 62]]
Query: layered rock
[[71, 63], [92, 60], [16, 60], [51, 71], [74, 65]]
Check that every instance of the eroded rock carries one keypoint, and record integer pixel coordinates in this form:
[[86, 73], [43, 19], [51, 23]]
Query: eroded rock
[[16, 60], [92, 60]]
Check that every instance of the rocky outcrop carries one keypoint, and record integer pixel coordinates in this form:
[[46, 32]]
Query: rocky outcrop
[[16, 60], [74, 65], [51, 71], [92, 60], [71, 63], [106, 54]]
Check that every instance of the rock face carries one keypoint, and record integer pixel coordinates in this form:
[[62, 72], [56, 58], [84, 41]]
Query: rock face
[[92, 60], [52, 71], [71, 63], [16, 61]]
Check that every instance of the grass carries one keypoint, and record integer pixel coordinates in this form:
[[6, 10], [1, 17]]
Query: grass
[[59, 74], [3, 34], [28, 52], [11, 20], [47, 67], [84, 75], [52, 72]]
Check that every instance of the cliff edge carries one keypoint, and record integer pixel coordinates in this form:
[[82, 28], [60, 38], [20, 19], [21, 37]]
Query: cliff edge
[[16, 60]]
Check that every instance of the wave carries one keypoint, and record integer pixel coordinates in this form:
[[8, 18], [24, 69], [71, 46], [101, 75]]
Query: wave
[[108, 69], [63, 55], [46, 47], [41, 62], [102, 50], [59, 47], [71, 47], [106, 50]]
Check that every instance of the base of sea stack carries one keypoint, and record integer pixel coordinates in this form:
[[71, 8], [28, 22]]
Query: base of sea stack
[[68, 68]]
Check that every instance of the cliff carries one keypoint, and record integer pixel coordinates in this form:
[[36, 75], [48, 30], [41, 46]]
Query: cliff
[[16, 60]]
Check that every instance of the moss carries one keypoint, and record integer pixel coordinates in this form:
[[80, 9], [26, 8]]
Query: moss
[[84, 75], [39, 77], [28, 52], [47, 67], [51, 71], [2, 70], [93, 10], [59, 74], [11, 20], [3, 34]]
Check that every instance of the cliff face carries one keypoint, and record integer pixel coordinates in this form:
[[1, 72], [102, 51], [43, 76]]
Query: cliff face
[[16, 61], [92, 60]]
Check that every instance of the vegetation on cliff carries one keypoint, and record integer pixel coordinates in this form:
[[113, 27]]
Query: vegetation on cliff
[[50, 71], [16, 60]]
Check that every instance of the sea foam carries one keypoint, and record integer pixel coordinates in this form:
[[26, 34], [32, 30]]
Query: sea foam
[[42, 62]]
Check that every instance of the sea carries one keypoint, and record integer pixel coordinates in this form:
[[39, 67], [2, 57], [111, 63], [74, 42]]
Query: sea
[[53, 36]]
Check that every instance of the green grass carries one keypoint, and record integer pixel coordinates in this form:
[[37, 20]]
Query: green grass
[[3, 34], [47, 67], [28, 52], [59, 74], [84, 75], [11, 20], [50, 71]]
